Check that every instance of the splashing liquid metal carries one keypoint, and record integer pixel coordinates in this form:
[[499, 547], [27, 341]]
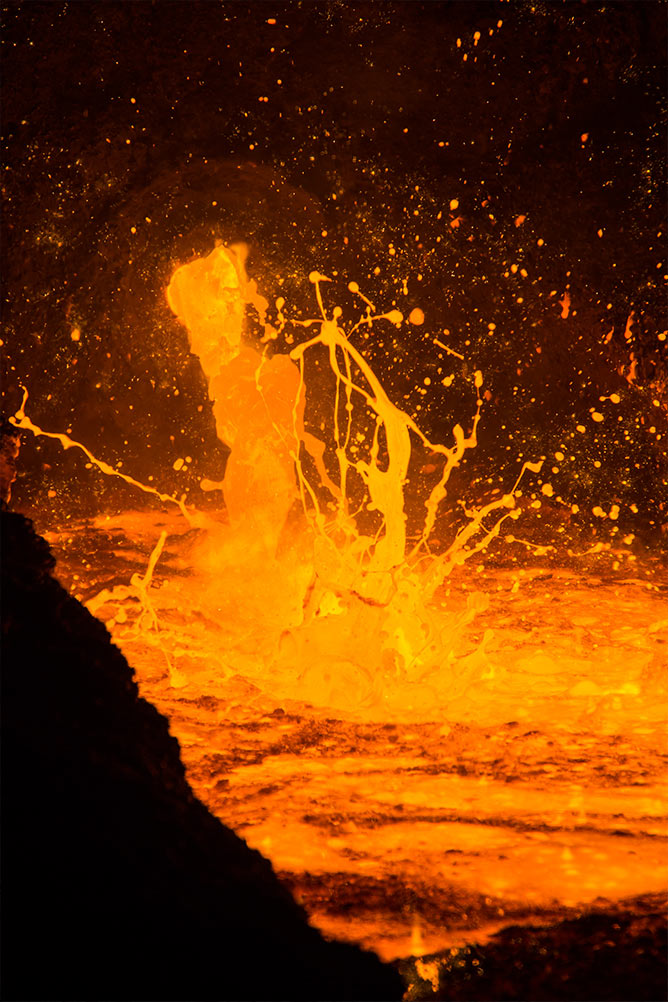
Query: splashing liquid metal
[[353, 613]]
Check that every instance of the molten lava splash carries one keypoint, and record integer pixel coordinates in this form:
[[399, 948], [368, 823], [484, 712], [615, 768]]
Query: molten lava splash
[[343, 618], [254, 397]]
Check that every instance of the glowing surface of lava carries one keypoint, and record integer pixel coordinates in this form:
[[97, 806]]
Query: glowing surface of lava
[[423, 750], [431, 729], [531, 789]]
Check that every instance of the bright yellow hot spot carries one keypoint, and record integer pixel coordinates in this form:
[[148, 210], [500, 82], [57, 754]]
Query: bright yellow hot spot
[[206, 297]]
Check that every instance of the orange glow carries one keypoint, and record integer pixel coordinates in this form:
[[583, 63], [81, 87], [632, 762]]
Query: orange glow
[[360, 627], [373, 710], [523, 780]]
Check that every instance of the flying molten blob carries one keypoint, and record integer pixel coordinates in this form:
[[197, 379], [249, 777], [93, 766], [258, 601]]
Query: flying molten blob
[[253, 396]]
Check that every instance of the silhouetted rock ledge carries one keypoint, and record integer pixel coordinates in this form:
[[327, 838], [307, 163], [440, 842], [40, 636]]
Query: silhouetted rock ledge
[[117, 882]]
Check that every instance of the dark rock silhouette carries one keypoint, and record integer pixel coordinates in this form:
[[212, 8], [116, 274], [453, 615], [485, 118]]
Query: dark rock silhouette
[[117, 882]]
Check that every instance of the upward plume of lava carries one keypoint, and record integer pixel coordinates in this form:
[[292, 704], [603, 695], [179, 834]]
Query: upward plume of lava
[[341, 586]]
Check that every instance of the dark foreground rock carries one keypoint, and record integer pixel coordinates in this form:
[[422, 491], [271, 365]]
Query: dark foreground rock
[[117, 882], [618, 954]]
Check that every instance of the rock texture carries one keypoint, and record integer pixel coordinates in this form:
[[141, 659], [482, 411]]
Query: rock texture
[[616, 954], [118, 883]]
